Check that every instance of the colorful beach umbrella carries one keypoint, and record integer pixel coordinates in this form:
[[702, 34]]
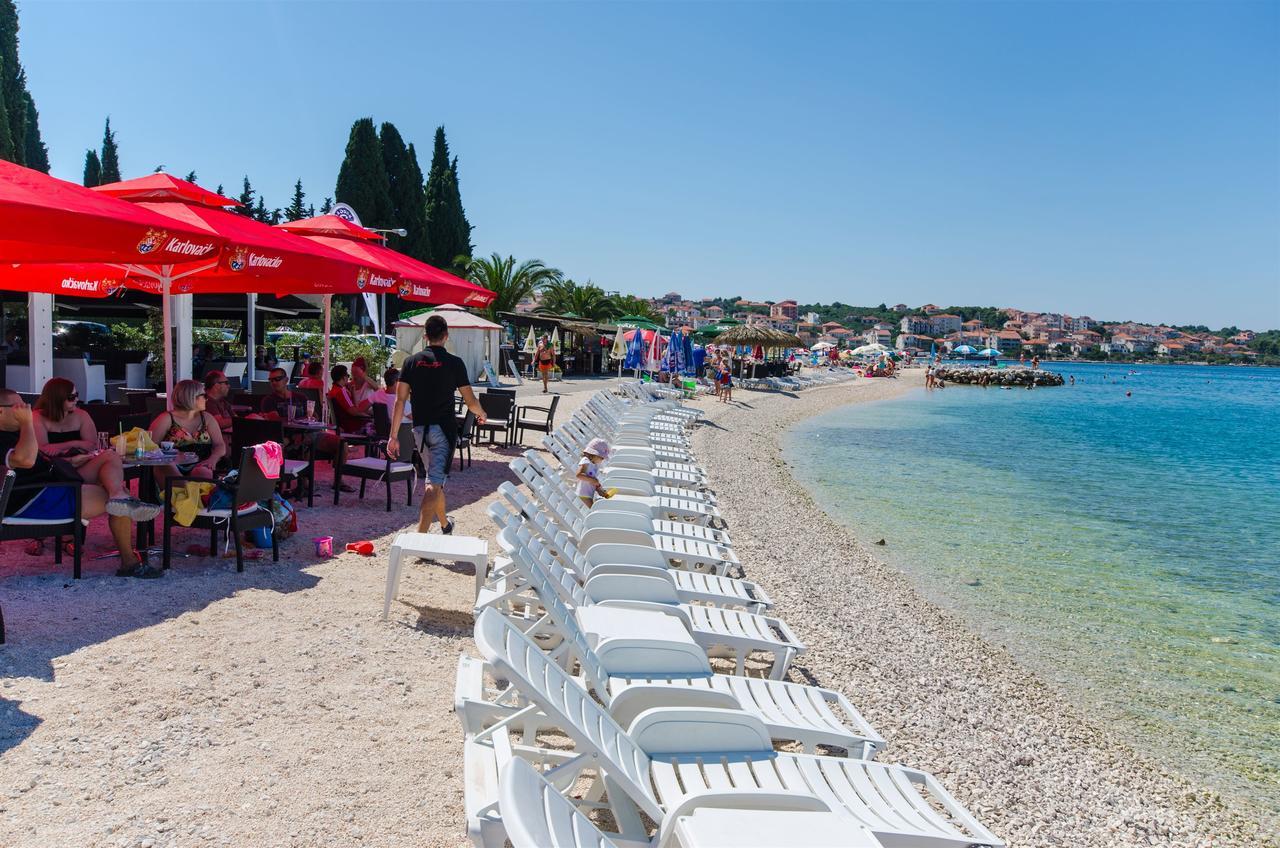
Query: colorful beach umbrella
[[964, 350], [989, 352], [635, 351]]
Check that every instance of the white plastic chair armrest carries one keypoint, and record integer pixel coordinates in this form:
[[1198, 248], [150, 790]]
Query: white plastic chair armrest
[[650, 606]]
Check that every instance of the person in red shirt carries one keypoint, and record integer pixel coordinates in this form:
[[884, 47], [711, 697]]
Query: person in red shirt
[[312, 380], [353, 417]]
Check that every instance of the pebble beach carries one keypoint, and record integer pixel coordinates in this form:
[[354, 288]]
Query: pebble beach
[[274, 707]]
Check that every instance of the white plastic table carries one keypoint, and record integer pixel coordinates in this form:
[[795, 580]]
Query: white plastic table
[[740, 828], [434, 546]]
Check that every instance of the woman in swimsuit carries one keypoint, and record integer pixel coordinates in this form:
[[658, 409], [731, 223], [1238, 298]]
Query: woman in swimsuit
[[546, 357], [65, 431], [192, 429]]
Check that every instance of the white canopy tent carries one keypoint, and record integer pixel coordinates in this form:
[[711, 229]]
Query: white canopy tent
[[473, 339]]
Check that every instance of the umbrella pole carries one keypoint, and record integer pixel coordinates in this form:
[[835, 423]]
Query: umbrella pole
[[250, 337], [166, 321], [328, 311]]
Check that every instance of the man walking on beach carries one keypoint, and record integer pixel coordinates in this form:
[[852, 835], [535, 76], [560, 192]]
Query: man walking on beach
[[428, 381]]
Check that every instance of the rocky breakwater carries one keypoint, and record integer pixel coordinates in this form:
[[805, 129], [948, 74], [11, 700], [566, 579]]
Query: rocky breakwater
[[997, 376]]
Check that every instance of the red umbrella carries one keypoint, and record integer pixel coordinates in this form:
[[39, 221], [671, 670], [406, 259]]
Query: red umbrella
[[257, 257], [51, 220], [418, 280]]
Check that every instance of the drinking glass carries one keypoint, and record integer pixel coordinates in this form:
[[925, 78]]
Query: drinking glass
[[311, 410], [289, 412]]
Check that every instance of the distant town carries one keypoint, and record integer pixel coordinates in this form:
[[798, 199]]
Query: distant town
[[1013, 332]]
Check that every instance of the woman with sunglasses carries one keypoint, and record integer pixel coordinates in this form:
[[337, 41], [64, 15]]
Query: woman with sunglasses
[[190, 428], [65, 431]]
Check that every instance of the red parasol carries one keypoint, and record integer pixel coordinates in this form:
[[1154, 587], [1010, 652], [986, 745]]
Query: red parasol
[[418, 280], [51, 220]]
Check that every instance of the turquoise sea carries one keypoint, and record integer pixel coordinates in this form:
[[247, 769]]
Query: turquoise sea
[[1126, 547]]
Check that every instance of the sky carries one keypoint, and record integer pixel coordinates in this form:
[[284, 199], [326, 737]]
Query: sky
[[1117, 160]]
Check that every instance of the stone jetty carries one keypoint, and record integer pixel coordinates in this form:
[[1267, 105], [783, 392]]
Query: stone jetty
[[997, 376]]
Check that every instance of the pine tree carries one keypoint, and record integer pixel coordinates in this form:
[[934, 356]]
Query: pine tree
[[327, 206], [447, 227], [295, 211], [13, 88], [260, 212], [246, 200], [311, 211], [362, 179], [92, 169], [408, 197], [191, 177], [219, 190], [110, 156], [37, 155]]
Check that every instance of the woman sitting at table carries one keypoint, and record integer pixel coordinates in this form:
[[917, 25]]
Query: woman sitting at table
[[353, 416], [191, 429], [66, 432]]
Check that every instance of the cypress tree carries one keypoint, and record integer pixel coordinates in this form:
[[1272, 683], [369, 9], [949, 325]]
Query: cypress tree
[[447, 226], [246, 200], [460, 222], [92, 169], [408, 197], [362, 179], [13, 88], [110, 156], [296, 211], [37, 155], [6, 138]]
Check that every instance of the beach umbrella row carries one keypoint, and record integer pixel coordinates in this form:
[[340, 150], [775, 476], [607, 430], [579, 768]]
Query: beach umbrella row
[[192, 244]]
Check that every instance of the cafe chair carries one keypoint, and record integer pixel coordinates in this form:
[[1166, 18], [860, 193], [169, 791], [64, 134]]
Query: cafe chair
[[377, 464], [248, 493], [538, 418], [246, 432], [17, 527]]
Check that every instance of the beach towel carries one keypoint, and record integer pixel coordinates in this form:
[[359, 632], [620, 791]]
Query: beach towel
[[270, 457], [188, 499]]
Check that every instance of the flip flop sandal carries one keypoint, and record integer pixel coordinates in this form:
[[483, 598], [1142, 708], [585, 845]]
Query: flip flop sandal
[[34, 547]]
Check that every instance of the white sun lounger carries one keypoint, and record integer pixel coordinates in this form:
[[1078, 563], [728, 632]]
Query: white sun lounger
[[569, 510], [536, 815], [718, 630], [670, 755], [634, 671], [625, 484], [692, 586]]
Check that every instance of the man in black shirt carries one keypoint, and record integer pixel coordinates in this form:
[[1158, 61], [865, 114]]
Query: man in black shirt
[[428, 381], [20, 452]]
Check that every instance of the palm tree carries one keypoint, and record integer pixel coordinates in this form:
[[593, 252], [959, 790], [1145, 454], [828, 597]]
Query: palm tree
[[586, 301], [511, 283], [629, 304]]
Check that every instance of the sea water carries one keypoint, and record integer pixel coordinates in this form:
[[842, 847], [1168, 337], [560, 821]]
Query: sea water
[[1121, 536]]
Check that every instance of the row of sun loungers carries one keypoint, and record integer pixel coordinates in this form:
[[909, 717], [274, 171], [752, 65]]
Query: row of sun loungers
[[631, 688]]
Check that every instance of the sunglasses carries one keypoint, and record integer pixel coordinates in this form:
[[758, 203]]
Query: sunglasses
[[201, 394], [277, 379], [222, 382]]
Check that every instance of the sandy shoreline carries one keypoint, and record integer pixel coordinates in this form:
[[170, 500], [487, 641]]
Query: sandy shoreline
[[275, 708]]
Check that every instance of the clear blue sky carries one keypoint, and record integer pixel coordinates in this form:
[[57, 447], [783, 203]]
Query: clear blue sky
[[1114, 159]]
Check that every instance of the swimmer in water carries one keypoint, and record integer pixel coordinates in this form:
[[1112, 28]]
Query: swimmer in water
[[1128, 394], [1073, 379]]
